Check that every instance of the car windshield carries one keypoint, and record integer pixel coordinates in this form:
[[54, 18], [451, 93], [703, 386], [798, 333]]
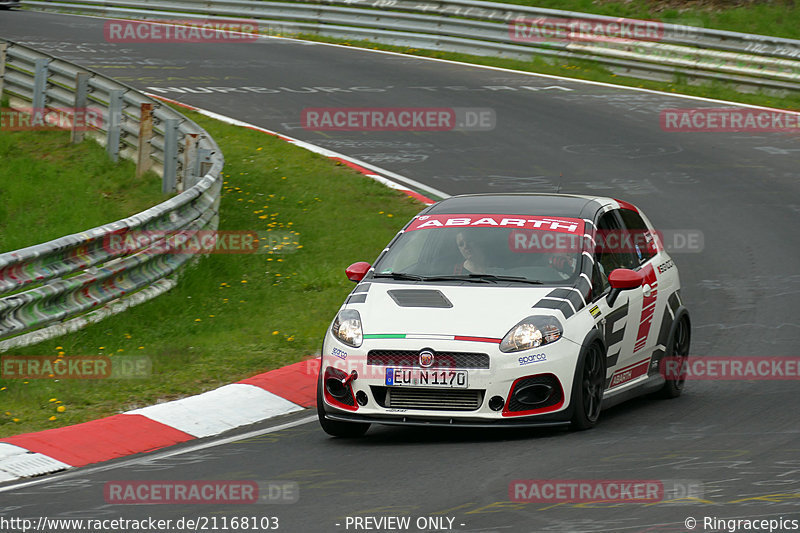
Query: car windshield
[[485, 249]]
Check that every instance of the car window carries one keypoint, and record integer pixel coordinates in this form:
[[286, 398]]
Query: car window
[[641, 238]]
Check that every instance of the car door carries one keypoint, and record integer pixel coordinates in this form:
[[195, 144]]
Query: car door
[[622, 322], [654, 301]]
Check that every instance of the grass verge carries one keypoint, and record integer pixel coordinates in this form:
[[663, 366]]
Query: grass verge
[[778, 18], [231, 316], [42, 173]]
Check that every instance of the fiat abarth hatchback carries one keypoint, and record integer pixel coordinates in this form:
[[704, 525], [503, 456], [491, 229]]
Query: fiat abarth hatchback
[[506, 310]]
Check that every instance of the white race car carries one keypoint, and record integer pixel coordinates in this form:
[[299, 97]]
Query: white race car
[[506, 310]]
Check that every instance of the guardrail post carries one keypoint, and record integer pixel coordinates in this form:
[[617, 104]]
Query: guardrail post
[[188, 179], [204, 162], [144, 149], [114, 126], [3, 48], [170, 155], [40, 83], [81, 102]]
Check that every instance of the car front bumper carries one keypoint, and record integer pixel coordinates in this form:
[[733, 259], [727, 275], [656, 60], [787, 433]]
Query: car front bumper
[[542, 377]]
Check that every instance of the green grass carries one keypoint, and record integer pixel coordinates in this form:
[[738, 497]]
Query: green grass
[[586, 70], [779, 18], [231, 316], [42, 174]]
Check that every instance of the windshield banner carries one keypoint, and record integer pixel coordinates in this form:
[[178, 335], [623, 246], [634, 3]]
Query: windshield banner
[[572, 226]]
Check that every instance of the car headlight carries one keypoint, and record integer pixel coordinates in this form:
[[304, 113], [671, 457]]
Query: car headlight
[[532, 332], [347, 327]]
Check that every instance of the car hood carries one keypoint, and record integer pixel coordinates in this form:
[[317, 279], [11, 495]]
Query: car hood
[[475, 310]]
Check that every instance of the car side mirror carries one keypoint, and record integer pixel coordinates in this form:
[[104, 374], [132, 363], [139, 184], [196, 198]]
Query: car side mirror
[[357, 271], [622, 279]]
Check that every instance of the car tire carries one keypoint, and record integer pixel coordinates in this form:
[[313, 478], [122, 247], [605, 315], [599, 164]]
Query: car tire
[[588, 387], [347, 430], [678, 347]]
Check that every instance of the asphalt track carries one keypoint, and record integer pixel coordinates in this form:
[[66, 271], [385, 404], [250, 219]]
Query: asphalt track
[[741, 191]]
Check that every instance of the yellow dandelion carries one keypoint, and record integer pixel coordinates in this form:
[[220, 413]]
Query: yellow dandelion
[[52, 418], [274, 333], [244, 281], [59, 347], [140, 348], [51, 400], [198, 319], [61, 408], [15, 419]]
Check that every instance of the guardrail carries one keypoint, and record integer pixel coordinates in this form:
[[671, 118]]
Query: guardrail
[[506, 30], [68, 282]]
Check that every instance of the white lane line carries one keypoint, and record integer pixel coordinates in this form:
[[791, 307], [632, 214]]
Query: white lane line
[[497, 69], [154, 456]]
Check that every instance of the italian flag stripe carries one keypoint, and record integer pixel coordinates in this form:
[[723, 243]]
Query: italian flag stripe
[[428, 336]]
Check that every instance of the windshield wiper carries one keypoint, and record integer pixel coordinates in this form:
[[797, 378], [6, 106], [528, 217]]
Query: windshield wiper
[[399, 275], [475, 278], [455, 277], [492, 277], [414, 277]]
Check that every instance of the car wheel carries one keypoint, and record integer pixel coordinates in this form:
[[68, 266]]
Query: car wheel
[[588, 387], [334, 427], [678, 351]]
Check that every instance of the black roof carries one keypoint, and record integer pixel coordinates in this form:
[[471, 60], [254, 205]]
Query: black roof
[[555, 205]]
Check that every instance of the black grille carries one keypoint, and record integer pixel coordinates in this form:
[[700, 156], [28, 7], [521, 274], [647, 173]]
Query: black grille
[[542, 379], [410, 358], [428, 399]]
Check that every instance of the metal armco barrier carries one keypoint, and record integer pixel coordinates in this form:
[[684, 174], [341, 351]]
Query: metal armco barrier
[[54, 287], [488, 28]]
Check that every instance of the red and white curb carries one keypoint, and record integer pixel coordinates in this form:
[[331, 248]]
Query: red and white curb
[[376, 173], [278, 392], [274, 393]]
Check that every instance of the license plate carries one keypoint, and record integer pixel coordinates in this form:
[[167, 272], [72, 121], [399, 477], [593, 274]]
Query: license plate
[[420, 377]]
